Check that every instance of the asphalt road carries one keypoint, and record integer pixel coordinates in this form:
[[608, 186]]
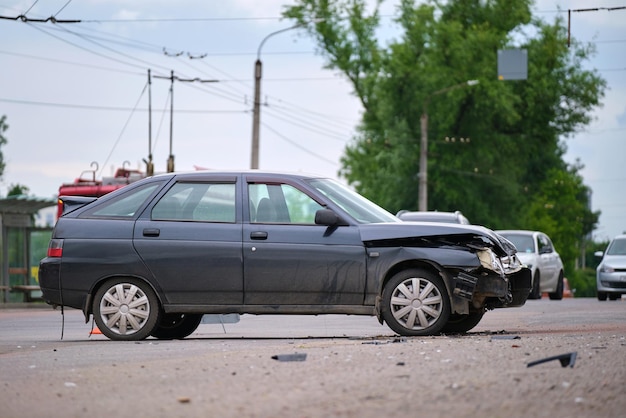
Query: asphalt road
[[353, 367]]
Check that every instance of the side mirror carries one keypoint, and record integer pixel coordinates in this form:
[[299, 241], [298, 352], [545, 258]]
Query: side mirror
[[598, 254], [327, 217]]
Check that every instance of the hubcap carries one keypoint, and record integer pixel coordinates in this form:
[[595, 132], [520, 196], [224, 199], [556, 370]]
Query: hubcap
[[416, 303], [124, 308]]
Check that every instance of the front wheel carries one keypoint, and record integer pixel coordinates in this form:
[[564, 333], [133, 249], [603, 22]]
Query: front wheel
[[176, 326], [535, 293], [459, 324], [415, 303], [126, 309]]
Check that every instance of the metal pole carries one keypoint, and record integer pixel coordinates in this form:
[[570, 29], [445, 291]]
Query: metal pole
[[423, 174], [149, 164], [256, 118], [422, 194], [170, 160]]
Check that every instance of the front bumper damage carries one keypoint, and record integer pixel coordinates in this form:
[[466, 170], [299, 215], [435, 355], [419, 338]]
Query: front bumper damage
[[498, 283]]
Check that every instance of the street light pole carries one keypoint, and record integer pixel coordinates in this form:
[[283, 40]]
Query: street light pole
[[423, 173], [256, 118]]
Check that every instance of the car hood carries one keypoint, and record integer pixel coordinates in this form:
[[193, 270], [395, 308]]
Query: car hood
[[445, 234], [615, 261]]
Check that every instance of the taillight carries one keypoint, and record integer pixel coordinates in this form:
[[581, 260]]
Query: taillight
[[55, 248]]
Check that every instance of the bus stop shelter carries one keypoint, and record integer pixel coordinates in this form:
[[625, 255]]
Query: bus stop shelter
[[22, 245]]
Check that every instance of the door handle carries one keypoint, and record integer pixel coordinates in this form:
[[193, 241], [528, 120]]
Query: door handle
[[151, 232], [258, 235]]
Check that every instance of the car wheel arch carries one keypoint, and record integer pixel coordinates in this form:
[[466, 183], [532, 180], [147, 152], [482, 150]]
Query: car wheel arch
[[88, 307], [407, 265]]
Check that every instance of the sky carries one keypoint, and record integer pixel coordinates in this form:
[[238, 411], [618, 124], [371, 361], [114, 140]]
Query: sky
[[77, 93]]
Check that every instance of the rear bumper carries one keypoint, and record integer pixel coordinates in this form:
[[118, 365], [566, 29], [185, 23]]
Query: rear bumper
[[50, 283]]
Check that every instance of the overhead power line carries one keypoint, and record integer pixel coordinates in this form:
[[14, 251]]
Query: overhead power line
[[109, 108], [52, 19]]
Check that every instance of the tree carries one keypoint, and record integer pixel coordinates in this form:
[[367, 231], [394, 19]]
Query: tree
[[3, 141], [514, 127], [17, 190]]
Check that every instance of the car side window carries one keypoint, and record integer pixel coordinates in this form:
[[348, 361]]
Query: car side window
[[281, 203], [545, 246], [126, 205], [200, 202]]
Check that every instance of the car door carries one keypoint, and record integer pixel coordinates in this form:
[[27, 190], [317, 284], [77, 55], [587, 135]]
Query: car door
[[288, 259], [549, 259], [190, 239]]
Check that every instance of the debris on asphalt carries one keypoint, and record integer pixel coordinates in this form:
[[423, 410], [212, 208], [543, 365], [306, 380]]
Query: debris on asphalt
[[567, 359], [505, 337], [290, 357]]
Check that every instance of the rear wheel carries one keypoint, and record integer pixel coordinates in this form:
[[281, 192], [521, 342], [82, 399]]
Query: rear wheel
[[176, 326], [415, 302], [458, 324], [126, 309], [558, 294]]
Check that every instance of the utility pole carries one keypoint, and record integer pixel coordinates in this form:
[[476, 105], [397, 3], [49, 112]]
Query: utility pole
[[423, 173], [149, 163], [170, 160], [256, 118]]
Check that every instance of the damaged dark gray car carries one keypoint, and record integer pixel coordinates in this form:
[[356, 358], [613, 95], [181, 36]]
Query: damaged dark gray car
[[150, 259]]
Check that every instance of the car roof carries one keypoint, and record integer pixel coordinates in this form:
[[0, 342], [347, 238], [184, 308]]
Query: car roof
[[264, 173], [518, 231]]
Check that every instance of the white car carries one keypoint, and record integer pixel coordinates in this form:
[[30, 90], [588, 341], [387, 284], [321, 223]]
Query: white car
[[535, 249], [611, 273]]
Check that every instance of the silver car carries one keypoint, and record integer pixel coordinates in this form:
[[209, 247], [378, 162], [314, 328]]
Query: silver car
[[535, 249], [611, 273]]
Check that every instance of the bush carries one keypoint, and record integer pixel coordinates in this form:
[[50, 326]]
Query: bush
[[583, 283]]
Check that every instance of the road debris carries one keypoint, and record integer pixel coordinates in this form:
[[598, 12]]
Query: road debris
[[567, 359], [290, 357]]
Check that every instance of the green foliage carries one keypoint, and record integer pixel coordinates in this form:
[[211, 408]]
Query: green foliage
[[562, 196], [511, 173], [583, 283], [18, 190]]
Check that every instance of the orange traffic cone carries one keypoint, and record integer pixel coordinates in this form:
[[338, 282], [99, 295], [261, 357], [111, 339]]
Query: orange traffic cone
[[95, 330]]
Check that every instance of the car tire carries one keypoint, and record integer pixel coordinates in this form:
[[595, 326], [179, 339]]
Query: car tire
[[126, 309], [602, 296], [176, 326], [415, 302], [558, 294], [459, 324], [535, 293], [613, 296]]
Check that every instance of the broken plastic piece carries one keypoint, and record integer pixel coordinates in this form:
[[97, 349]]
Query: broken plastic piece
[[567, 359], [464, 286], [505, 337], [290, 357]]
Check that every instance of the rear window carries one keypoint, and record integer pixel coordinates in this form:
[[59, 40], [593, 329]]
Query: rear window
[[125, 205]]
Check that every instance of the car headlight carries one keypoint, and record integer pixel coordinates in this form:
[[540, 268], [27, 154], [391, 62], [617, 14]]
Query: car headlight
[[489, 261], [606, 269]]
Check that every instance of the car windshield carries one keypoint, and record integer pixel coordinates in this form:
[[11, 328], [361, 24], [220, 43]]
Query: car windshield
[[618, 247], [523, 243], [361, 209]]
